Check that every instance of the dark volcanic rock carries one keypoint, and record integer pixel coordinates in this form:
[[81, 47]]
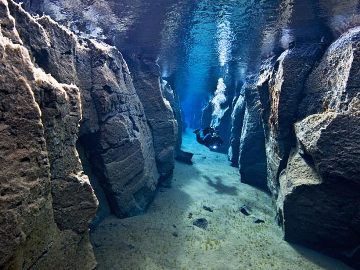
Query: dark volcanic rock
[[259, 221], [173, 98], [236, 129], [46, 200], [252, 157], [285, 93], [245, 210], [114, 132], [184, 157], [202, 223], [319, 197], [159, 114], [206, 208], [334, 82]]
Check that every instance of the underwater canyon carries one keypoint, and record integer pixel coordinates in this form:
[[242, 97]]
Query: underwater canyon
[[98, 102]]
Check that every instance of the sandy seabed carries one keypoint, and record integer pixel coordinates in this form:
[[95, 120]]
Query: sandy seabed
[[165, 237]]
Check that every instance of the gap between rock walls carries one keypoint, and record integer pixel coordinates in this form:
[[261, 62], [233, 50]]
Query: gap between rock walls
[[98, 101]]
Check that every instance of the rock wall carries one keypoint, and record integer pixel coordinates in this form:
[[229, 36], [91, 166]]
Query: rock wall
[[114, 132], [252, 157], [285, 93], [145, 71], [158, 111], [63, 97], [46, 200], [301, 111], [327, 133], [172, 97], [237, 119]]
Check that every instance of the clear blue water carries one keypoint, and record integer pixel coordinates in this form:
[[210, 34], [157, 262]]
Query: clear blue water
[[198, 42]]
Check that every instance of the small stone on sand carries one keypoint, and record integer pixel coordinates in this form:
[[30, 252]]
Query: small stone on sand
[[201, 223]]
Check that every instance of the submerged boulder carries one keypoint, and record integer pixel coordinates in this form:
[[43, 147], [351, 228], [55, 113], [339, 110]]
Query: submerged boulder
[[319, 191]]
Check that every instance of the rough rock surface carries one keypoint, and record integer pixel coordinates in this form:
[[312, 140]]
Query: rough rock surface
[[158, 111], [252, 157], [311, 149], [237, 119], [319, 198], [173, 98], [308, 100], [114, 132], [144, 68], [47, 201], [335, 81], [285, 91], [40, 225]]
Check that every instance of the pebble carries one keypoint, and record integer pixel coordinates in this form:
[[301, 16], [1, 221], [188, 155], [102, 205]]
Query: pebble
[[245, 210], [259, 221], [201, 223], [207, 208]]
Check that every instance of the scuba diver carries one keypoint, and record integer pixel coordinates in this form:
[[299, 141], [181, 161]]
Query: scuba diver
[[209, 137]]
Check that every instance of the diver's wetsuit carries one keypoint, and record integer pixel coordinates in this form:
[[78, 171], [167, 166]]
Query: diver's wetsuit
[[208, 137]]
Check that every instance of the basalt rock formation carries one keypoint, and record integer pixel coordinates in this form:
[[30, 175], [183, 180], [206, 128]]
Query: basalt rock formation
[[294, 124], [145, 71], [63, 97], [252, 158], [306, 105], [46, 200], [158, 111], [172, 97], [114, 132], [237, 119], [327, 151]]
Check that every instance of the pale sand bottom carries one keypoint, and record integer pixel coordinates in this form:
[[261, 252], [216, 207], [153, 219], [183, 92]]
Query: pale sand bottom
[[164, 238]]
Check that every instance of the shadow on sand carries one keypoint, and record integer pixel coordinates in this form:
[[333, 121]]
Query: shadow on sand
[[220, 187]]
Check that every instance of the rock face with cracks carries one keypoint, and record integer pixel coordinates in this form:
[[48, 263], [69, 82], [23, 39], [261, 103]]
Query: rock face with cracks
[[60, 94], [46, 200], [145, 71], [172, 97], [326, 200], [301, 111], [237, 119], [294, 126], [285, 91], [328, 139], [252, 159], [114, 132], [160, 116]]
